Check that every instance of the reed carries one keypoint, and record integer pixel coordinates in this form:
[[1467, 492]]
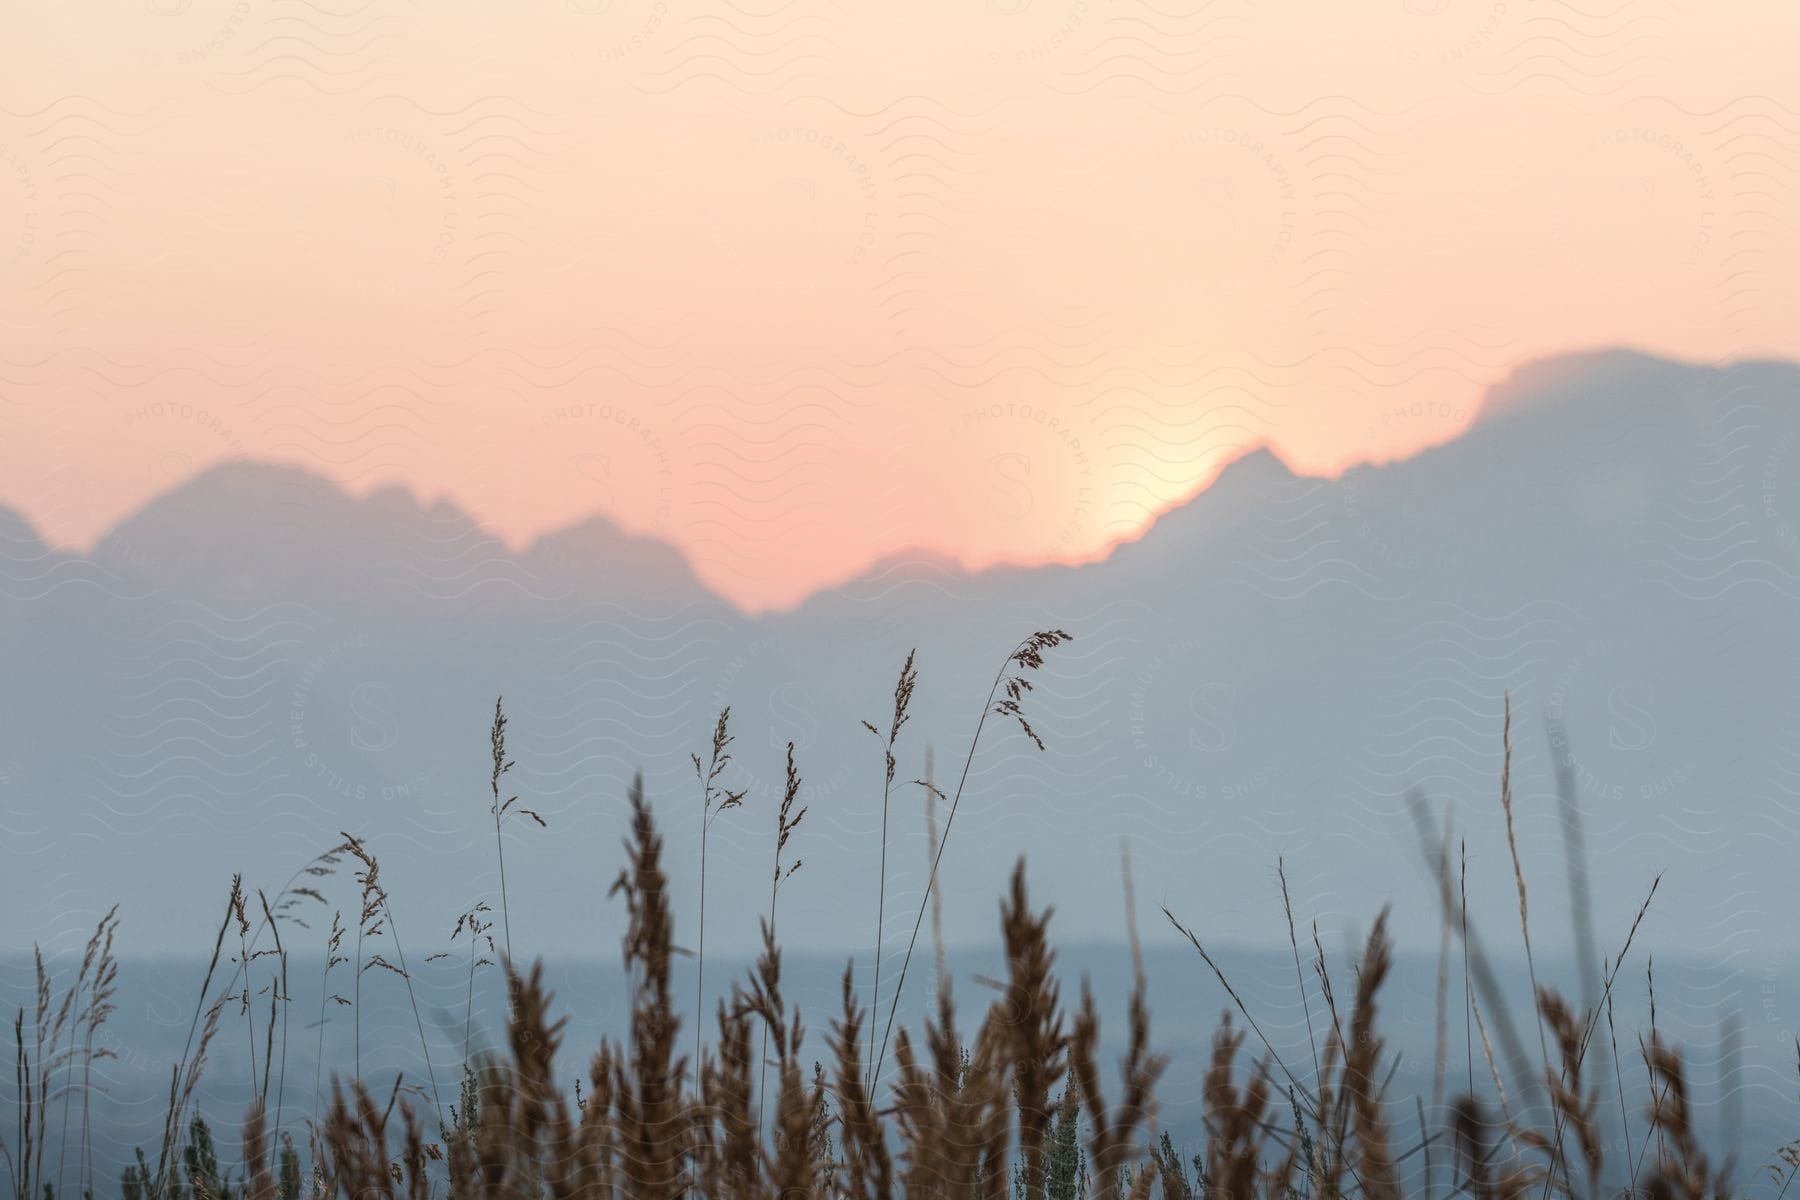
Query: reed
[[184, 1075], [1011, 684], [1512, 845], [474, 927], [714, 800], [376, 919], [903, 692], [501, 809], [334, 944], [103, 992], [786, 822]]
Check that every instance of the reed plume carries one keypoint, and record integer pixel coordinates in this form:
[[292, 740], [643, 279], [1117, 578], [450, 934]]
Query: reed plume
[[903, 691], [501, 809], [786, 822], [1014, 677], [650, 1118], [1031, 1018], [714, 800]]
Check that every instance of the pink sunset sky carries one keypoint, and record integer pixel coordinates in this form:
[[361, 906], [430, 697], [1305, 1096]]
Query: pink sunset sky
[[796, 284]]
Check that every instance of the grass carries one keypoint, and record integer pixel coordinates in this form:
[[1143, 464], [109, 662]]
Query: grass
[[1010, 1106], [787, 820], [903, 690], [715, 800], [501, 810]]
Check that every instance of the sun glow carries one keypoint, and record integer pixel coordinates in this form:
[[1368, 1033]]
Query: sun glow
[[1000, 281]]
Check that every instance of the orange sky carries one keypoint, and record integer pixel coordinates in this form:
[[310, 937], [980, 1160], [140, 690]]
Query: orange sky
[[799, 283]]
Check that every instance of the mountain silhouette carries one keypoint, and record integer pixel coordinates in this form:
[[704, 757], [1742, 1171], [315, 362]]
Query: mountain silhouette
[[268, 532], [1276, 668]]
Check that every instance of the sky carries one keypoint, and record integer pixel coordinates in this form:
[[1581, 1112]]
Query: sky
[[799, 285]]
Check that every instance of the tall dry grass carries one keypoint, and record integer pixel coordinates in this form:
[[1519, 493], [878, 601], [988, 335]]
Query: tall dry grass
[[903, 692], [1013, 1106], [715, 801]]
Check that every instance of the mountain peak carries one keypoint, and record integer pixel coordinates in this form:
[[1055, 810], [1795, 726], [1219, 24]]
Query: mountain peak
[[271, 531], [1241, 488], [1577, 379], [596, 552], [19, 540], [1260, 462]]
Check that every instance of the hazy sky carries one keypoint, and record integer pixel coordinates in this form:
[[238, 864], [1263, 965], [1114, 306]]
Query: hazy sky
[[798, 284]]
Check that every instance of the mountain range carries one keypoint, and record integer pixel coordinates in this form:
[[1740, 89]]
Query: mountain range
[[1283, 669]]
